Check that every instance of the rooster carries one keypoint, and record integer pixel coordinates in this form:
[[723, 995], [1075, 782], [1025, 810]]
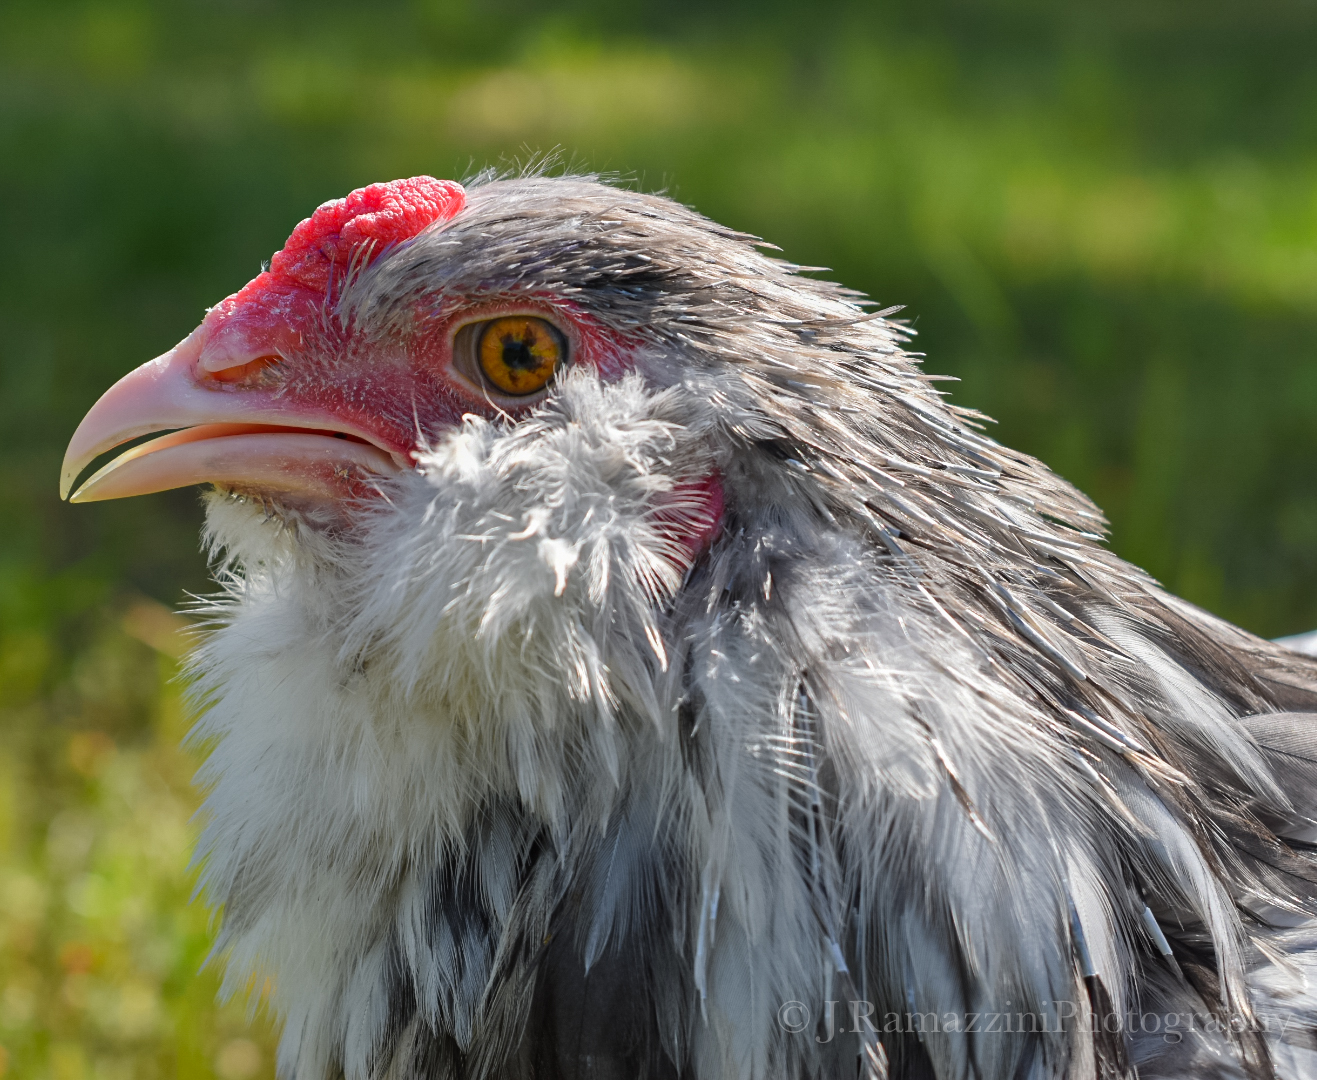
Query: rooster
[[628, 664]]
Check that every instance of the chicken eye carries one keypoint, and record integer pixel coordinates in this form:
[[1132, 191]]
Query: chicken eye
[[519, 354]]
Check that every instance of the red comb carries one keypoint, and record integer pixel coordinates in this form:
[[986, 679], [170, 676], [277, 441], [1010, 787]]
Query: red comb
[[322, 246]]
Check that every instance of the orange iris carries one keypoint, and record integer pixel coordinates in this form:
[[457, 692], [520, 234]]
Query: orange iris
[[519, 354]]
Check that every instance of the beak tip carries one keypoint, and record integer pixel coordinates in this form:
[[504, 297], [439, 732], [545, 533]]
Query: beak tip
[[67, 475]]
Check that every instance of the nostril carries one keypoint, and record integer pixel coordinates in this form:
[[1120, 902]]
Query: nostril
[[247, 372]]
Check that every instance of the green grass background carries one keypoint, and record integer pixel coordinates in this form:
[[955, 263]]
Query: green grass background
[[1102, 217]]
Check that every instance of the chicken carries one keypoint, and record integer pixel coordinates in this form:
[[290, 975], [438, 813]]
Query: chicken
[[629, 665]]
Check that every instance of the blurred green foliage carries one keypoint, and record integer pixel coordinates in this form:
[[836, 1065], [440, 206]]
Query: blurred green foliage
[[100, 949], [1101, 215]]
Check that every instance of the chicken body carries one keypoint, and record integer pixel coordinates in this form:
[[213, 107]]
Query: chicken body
[[728, 707]]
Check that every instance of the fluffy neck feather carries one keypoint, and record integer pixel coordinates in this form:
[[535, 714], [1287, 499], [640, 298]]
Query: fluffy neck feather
[[504, 724]]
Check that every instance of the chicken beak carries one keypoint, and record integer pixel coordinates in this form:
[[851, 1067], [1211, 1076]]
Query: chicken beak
[[244, 438]]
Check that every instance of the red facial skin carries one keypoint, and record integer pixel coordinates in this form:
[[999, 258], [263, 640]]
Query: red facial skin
[[398, 389]]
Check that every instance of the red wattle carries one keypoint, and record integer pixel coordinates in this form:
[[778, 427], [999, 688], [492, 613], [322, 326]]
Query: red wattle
[[695, 525]]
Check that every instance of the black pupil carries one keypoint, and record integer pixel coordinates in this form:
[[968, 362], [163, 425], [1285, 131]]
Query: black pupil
[[517, 354]]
